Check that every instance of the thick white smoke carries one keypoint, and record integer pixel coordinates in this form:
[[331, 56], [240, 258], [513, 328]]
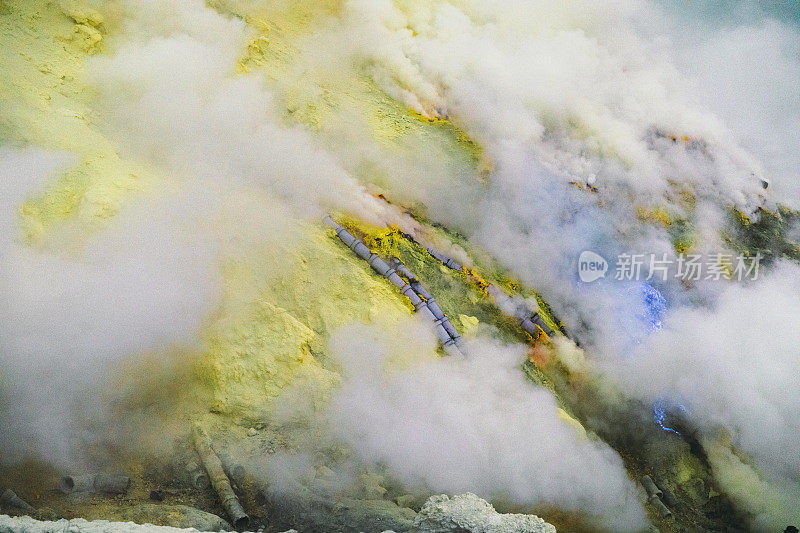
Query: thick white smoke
[[646, 105], [474, 424], [757, 100], [553, 92], [572, 82], [68, 315], [171, 96], [733, 367]]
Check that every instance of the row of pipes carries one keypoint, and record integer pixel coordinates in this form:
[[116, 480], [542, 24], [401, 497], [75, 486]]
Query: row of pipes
[[400, 276], [529, 319], [209, 470], [216, 477], [408, 283]]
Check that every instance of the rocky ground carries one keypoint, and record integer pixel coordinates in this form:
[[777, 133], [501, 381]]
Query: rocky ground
[[465, 513]]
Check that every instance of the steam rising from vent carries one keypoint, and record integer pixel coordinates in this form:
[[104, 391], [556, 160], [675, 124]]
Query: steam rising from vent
[[730, 369], [145, 283], [663, 125], [197, 118], [473, 424]]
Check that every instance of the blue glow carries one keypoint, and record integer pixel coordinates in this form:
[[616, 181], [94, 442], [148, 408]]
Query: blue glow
[[655, 307], [660, 409]]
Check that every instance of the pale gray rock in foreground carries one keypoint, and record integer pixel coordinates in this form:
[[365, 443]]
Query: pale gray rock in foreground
[[26, 524], [465, 513], [468, 513], [172, 517]]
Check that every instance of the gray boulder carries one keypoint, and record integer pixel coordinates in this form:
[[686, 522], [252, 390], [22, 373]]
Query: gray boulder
[[26, 524], [138, 519], [466, 513]]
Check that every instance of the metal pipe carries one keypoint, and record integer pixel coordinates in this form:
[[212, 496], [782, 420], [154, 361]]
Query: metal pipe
[[377, 264], [438, 313], [530, 320], [235, 471], [197, 475], [662, 509], [530, 327], [650, 487], [111, 483], [533, 316], [446, 261], [404, 271], [219, 480], [101, 482], [70, 484], [423, 292], [382, 267], [537, 319]]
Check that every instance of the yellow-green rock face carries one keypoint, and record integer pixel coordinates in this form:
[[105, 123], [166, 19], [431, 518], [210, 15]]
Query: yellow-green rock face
[[46, 102], [271, 327], [283, 296], [272, 333]]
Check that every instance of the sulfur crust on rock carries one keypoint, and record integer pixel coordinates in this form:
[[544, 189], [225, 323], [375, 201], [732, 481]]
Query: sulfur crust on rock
[[45, 102], [257, 348], [271, 329], [270, 332], [322, 96], [257, 345]]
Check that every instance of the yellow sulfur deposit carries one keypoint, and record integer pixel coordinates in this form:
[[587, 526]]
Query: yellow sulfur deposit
[[272, 326], [565, 417], [45, 101], [324, 96], [266, 334], [260, 346], [468, 322]]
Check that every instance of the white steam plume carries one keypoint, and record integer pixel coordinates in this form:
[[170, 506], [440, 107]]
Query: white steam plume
[[145, 283], [583, 91], [734, 366], [194, 115], [472, 424], [553, 92]]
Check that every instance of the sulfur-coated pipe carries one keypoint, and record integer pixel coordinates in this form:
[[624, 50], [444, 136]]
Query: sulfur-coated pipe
[[198, 477], [219, 480], [423, 293], [662, 509], [381, 267], [446, 261], [650, 486], [529, 320]]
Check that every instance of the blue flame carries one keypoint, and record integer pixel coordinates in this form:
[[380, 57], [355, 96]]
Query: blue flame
[[661, 407], [655, 307]]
